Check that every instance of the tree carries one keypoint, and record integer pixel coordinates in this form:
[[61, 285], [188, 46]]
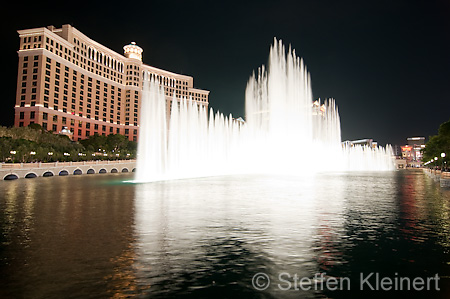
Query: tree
[[116, 142], [438, 144]]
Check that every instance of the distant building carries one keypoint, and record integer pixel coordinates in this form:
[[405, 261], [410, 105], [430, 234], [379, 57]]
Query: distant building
[[318, 108], [362, 142], [66, 79], [397, 151], [412, 152], [416, 141]]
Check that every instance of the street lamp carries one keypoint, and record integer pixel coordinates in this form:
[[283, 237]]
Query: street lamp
[[442, 156]]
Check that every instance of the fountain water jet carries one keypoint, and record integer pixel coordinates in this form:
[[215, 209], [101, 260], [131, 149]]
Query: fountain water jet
[[285, 132]]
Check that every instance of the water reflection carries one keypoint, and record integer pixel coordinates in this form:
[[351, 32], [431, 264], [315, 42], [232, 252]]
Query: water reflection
[[65, 236], [94, 236], [210, 236]]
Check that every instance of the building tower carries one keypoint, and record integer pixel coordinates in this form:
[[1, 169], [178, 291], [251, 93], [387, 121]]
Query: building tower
[[133, 51]]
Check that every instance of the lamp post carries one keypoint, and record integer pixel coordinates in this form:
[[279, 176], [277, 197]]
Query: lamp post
[[442, 156], [32, 153]]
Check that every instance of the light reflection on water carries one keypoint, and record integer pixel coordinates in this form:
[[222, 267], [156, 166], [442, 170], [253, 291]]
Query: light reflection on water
[[94, 236]]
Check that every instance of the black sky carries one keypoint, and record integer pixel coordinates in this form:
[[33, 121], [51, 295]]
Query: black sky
[[387, 63]]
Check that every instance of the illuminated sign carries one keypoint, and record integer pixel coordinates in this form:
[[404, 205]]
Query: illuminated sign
[[406, 148]]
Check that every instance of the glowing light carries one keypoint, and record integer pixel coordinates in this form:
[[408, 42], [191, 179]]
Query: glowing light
[[281, 134]]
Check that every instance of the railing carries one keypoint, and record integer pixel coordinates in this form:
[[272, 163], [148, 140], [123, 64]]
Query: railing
[[56, 164], [445, 175]]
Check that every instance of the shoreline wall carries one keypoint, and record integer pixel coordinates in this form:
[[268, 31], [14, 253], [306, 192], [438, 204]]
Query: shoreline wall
[[33, 170]]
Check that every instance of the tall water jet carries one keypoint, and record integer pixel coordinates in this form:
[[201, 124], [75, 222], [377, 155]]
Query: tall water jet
[[285, 131], [152, 146]]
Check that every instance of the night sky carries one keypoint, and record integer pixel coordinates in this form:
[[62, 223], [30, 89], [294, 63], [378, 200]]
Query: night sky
[[387, 63]]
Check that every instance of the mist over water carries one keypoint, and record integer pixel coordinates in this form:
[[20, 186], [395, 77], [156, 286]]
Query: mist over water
[[285, 132]]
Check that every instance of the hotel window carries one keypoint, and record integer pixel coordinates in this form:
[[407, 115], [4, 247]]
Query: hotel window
[[32, 114], [54, 128], [22, 115]]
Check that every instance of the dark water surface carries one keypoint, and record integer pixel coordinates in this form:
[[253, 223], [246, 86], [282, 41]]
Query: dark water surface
[[97, 237]]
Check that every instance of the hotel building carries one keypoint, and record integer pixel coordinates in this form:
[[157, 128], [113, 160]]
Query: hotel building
[[67, 80]]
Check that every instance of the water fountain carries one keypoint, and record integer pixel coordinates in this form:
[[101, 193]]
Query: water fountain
[[285, 132]]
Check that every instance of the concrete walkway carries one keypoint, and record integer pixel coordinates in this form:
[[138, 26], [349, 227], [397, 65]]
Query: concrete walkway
[[442, 177]]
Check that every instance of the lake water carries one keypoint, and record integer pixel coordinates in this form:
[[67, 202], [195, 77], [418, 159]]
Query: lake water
[[97, 236]]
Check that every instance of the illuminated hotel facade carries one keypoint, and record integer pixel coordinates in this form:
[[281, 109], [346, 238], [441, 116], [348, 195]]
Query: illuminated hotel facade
[[67, 80]]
